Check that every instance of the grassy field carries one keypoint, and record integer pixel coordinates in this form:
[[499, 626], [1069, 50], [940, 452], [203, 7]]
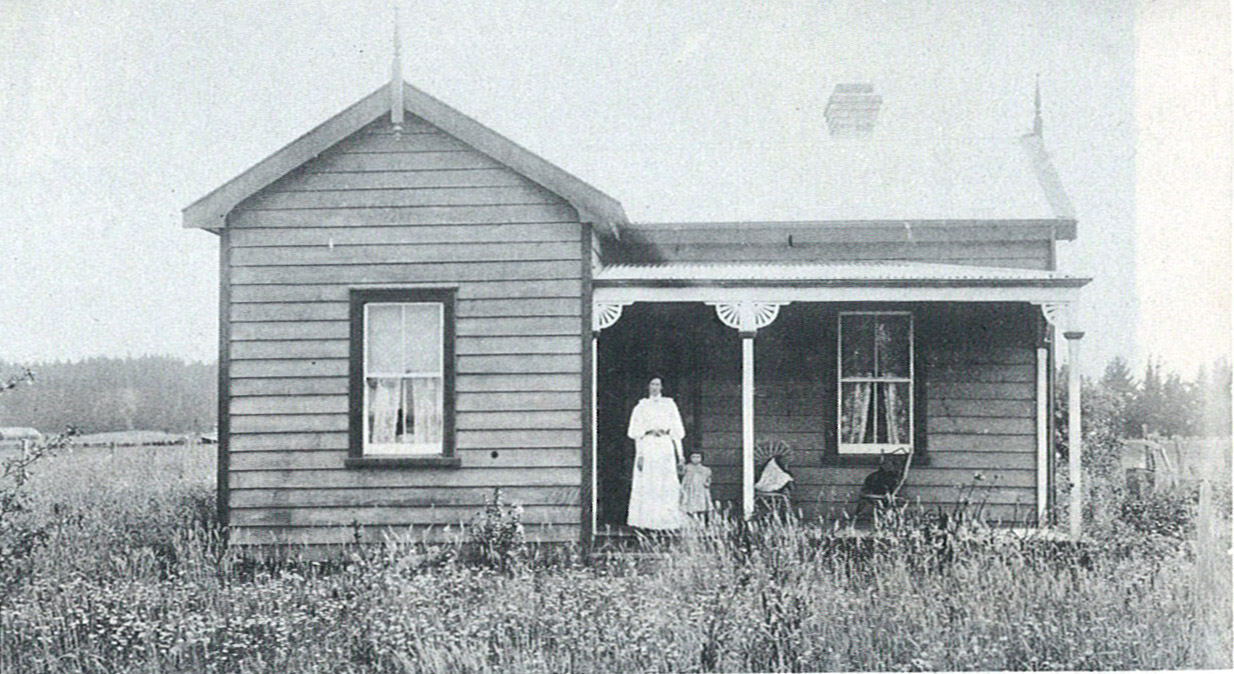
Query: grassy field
[[130, 578]]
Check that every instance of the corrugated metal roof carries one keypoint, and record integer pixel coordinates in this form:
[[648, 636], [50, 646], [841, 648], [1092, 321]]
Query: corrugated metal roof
[[908, 273], [879, 177]]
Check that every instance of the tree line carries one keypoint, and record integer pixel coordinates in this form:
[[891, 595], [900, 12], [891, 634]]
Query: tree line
[[1159, 403], [99, 394]]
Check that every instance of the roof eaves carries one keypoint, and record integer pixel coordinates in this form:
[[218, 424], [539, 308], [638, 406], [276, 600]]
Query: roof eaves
[[592, 204], [210, 212]]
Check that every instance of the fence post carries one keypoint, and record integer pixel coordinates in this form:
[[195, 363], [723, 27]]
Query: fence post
[[1204, 524]]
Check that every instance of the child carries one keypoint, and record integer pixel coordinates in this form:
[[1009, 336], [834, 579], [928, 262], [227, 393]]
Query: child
[[696, 487]]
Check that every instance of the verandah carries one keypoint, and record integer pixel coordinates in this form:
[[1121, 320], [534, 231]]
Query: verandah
[[978, 378]]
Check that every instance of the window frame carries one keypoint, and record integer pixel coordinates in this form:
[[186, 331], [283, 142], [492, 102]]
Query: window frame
[[357, 391], [844, 449]]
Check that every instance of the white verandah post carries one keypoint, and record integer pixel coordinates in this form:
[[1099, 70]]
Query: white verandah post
[[747, 424], [747, 317], [1043, 434], [603, 315], [1075, 441]]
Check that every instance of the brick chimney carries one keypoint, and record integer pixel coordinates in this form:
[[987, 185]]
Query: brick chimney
[[852, 109]]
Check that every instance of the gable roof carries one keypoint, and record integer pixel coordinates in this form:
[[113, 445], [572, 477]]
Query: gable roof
[[210, 212], [883, 177]]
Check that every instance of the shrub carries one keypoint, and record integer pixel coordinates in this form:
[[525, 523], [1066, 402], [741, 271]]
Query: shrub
[[1161, 513], [495, 536]]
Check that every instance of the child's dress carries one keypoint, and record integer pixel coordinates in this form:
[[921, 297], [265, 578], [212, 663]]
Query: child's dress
[[696, 489]]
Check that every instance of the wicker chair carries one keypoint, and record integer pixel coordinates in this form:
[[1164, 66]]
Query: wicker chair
[[778, 501]]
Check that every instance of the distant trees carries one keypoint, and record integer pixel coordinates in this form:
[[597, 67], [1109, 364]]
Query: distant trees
[[1160, 404], [114, 394]]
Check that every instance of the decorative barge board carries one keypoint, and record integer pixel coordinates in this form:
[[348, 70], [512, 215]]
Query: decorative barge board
[[415, 311]]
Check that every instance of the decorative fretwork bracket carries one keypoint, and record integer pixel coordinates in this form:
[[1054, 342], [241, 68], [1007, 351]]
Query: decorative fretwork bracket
[[605, 314], [1053, 312], [747, 316]]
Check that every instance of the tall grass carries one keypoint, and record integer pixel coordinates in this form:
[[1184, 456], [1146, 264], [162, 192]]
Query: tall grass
[[134, 582]]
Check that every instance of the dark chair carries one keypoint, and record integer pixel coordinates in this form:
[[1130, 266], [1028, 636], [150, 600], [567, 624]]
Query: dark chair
[[878, 489]]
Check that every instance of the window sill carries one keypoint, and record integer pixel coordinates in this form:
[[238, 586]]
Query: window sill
[[403, 462], [920, 458]]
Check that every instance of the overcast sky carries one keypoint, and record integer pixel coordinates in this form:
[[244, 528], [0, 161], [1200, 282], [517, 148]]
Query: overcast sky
[[115, 115]]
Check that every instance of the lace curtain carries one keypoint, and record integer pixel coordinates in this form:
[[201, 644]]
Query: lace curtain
[[406, 411], [874, 412]]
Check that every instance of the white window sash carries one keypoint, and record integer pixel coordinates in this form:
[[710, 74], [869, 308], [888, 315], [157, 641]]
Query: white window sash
[[875, 447], [403, 448]]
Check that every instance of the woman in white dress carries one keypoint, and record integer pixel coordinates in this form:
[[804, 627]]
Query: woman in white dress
[[655, 493]]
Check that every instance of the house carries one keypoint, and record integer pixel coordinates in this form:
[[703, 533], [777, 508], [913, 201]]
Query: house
[[414, 310]]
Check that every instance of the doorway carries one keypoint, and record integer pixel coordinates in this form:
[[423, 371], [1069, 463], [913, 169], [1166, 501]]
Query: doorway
[[672, 341]]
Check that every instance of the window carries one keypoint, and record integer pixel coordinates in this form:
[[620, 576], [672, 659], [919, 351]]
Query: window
[[876, 382], [402, 376]]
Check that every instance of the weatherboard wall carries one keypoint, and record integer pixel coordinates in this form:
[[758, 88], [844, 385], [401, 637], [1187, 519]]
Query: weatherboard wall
[[1028, 245], [379, 210]]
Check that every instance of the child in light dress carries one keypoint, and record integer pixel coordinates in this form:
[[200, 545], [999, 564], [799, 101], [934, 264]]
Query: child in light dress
[[696, 487]]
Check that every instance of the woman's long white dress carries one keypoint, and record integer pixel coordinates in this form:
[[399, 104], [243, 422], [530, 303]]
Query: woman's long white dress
[[655, 493]]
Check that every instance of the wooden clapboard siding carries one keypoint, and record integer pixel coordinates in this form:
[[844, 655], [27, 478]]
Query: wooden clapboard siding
[[477, 404], [301, 459], [406, 216], [489, 290], [1016, 513], [378, 211], [318, 256], [321, 536], [401, 180], [1033, 254], [392, 498], [318, 516], [325, 330], [553, 232], [402, 197], [1006, 244], [392, 273], [365, 479], [771, 234]]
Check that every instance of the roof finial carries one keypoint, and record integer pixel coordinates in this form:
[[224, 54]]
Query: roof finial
[[1037, 106], [396, 80]]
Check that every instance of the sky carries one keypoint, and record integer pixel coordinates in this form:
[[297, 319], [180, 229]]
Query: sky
[[116, 114]]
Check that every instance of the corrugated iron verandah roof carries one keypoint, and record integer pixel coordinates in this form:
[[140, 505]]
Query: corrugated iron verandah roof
[[838, 273], [831, 282]]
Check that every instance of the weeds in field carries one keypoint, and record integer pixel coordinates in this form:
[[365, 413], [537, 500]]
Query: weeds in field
[[132, 579], [22, 531]]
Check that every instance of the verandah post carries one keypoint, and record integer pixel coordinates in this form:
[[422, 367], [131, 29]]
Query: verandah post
[[747, 316], [603, 315], [747, 423], [1075, 440]]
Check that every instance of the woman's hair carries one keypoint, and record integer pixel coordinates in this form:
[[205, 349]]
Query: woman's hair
[[692, 452]]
